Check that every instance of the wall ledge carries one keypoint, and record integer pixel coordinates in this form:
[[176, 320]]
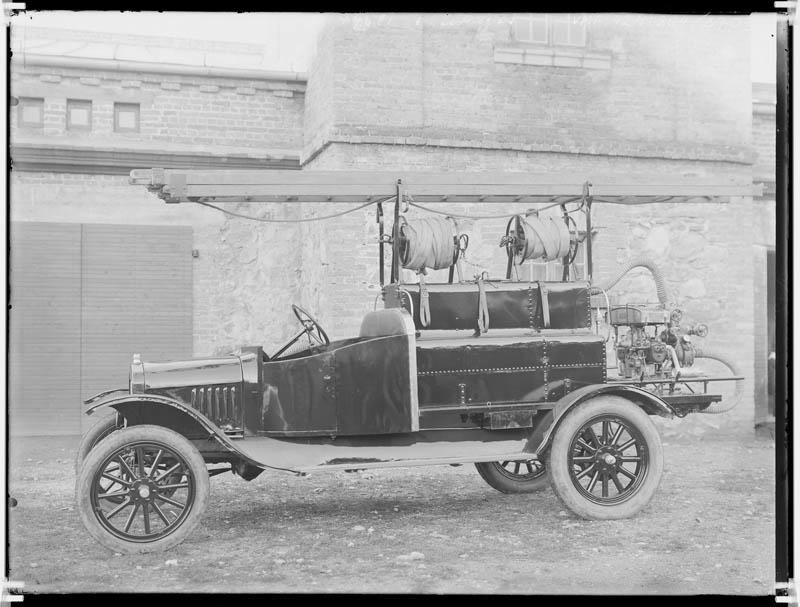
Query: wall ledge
[[115, 161], [632, 149]]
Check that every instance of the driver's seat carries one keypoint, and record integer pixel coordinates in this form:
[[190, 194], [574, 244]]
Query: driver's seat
[[383, 323]]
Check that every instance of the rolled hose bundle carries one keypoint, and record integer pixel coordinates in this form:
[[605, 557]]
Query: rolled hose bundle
[[540, 238], [715, 408], [428, 242]]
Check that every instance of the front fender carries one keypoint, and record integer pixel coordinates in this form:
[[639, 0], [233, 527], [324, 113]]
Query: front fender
[[164, 411], [648, 401]]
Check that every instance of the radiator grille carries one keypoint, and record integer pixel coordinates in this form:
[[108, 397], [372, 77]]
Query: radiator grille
[[221, 404]]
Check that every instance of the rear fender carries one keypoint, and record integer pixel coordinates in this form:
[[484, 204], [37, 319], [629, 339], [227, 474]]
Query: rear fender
[[163, 411], [648, 401]]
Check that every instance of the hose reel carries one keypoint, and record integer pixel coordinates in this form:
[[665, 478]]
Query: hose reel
[[531, 237], [428, 242]]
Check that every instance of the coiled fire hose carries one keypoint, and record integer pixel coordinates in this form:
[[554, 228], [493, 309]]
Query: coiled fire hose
[[537, 238], [428, 242]]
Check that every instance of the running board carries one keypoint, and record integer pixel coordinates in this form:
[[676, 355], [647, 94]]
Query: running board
[[425, 448], [410, 463]]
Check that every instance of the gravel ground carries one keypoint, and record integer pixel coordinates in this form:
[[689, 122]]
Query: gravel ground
[[440, 529]]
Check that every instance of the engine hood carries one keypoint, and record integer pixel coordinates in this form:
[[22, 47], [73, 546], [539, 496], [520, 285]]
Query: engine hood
[[157, 376]]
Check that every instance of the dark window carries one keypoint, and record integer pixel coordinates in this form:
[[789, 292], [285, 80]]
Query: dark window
[[79, 115], [126, 117], [31, 111], [556, 30]]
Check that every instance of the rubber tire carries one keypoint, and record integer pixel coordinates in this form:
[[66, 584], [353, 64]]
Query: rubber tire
[[119, 439], [490, 473], [97, 432], [557, 458]]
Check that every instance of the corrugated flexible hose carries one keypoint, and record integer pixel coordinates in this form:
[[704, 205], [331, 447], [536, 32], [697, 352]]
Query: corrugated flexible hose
[[638, 262]]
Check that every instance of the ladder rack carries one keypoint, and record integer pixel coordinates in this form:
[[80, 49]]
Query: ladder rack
[[175, 186]]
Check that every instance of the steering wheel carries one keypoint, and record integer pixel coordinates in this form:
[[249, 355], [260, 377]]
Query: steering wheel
[[310, 327]]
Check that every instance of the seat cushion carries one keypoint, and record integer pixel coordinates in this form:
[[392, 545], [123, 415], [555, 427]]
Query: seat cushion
[[381, 323]]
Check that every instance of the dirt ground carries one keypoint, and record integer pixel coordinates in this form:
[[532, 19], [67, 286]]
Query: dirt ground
[[440, 529]]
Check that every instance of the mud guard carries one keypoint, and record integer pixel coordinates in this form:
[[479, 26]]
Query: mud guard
[[648, 401], [181, 418]]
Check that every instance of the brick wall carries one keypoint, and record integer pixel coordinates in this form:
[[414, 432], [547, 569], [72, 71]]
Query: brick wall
[[202, 112], [187, 110], [667, 91]]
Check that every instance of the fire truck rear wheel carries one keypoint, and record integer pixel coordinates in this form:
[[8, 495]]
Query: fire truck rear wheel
[[606, 459]]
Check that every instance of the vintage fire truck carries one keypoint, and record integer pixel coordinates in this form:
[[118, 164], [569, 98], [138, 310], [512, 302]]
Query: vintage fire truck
[[535, 382]]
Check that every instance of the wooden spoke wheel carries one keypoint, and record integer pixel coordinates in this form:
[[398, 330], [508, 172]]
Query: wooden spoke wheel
[[142, 489], [606, 459], [526, 476]]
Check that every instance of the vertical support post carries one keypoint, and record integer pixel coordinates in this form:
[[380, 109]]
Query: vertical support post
[[379, 218], [587, 203], [396, 234], [565, 259]]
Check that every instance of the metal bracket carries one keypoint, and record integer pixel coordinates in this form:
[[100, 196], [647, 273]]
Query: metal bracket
[[175, 189]]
